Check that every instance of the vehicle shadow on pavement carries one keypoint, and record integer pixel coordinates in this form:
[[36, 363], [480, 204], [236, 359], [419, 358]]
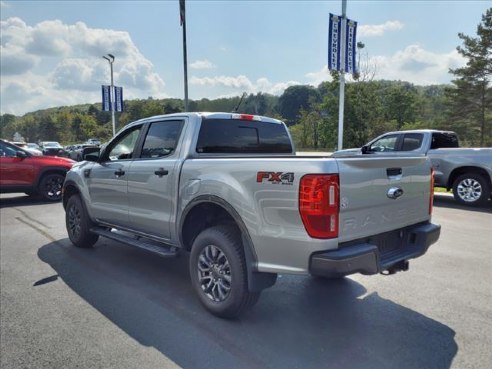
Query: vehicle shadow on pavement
[[22, 200], [301, 322], [448, 201]]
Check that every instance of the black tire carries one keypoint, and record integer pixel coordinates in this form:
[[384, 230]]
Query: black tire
[[78, 223], [471, 189], [218, 272], [50, 187]]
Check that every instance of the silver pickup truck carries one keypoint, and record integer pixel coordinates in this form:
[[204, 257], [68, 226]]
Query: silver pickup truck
[[229, 189], [467, 171]]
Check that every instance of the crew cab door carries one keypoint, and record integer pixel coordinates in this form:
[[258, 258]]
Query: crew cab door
[[108, 179], [152, 179]]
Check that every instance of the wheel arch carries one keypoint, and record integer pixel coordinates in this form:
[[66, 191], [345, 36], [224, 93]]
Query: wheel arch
[[50, 170], [207, 211], [463, 170], [69, 189]]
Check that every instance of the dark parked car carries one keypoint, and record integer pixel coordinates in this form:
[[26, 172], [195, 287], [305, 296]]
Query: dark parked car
[[20, 171], [77, 151], [52, 148]]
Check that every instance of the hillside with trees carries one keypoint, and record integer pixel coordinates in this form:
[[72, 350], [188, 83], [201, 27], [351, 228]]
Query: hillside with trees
[[371, 107]]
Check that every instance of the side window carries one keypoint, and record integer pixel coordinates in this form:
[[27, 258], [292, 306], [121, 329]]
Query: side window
[[161, 139], [444, 140], [412, 141], [386, 143], [124, 147]]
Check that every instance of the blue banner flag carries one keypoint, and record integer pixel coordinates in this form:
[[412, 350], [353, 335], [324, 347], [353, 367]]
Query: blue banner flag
[[118, 96], [106, 98], [334, 40], [350, 46]]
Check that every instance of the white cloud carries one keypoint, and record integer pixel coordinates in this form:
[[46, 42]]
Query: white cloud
[[14, 61], [239, 82], [202, 64], [371, 30], [315, 78], [66, 60], [76, 74], [242, 83], [416, 65]]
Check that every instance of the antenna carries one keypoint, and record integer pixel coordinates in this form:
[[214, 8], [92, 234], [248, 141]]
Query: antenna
[[239, 103]]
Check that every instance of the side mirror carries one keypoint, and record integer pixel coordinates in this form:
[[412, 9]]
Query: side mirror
[[364, 149], [20, 154], [91, 153]]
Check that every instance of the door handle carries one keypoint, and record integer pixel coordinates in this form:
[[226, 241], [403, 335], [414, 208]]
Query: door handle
[[394, 174], [161, 172], [119, 173]]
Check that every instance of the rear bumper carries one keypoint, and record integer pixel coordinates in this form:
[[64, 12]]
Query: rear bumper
[[376, 253]]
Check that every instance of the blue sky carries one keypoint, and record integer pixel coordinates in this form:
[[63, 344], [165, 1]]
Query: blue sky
[[51, 51]]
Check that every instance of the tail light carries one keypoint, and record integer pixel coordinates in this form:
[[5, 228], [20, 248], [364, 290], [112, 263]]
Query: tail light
[[245, 117], [431, 199], [319, 198]]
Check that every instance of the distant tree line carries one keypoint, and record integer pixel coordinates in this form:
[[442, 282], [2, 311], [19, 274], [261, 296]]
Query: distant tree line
[[371, 107]]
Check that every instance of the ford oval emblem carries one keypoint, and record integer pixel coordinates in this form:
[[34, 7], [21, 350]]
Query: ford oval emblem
[[394, 192]]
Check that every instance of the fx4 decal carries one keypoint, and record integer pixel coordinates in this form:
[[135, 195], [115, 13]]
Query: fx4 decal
[[275, 177]]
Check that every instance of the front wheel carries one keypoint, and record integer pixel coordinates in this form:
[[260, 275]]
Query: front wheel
[[471, 189], [78, 223], [218, 272], [50, 187]]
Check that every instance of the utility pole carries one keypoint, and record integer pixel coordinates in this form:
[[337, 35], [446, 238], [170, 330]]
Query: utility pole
[[182, 11], [110, 58], [342, 76]]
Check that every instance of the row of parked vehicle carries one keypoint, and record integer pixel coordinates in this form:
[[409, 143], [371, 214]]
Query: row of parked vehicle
[[53, 148]]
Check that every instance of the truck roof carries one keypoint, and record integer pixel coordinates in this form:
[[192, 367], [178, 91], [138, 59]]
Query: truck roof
[[210, 115], [422, 131]]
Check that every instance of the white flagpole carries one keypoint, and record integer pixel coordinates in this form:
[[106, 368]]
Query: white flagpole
[[342, 76], [182, 5]]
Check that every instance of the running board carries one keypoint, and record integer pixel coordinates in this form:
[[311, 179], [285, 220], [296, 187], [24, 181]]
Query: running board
[[142, 243]]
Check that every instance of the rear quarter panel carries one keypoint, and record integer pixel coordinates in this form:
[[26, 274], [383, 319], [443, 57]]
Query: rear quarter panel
[[445, 161], [268, 209]]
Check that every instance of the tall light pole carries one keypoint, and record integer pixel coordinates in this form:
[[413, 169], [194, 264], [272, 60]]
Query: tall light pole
[[341, 101], [110, 58]]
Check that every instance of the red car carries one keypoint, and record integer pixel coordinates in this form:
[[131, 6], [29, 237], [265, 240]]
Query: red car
[[20, 171]]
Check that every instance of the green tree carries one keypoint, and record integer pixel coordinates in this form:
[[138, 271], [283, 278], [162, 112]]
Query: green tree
[[294, 99], [400, 102], [471, 95], [7, 123]]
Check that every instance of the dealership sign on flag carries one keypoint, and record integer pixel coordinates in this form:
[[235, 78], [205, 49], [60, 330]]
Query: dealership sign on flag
[[106, 98], [335, 44]]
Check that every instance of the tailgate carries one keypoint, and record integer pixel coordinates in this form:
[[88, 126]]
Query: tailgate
[[380, 194]]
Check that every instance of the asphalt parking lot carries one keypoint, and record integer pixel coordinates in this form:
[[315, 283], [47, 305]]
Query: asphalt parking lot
[[117, 307]]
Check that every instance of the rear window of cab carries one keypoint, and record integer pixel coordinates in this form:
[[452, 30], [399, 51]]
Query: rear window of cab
[[233, 136]]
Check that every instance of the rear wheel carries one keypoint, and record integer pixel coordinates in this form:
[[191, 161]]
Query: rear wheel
[[218, 272], [78, 223], [50, 187], [471, 189]]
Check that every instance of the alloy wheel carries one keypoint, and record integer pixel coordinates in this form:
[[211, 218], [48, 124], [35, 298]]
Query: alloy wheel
[[214, 273]]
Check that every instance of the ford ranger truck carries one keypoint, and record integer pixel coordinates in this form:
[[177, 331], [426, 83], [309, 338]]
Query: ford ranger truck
[[230, 190]]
